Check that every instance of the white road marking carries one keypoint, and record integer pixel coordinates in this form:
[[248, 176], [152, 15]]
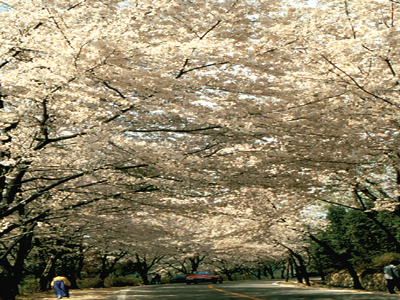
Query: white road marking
[[122, 295]]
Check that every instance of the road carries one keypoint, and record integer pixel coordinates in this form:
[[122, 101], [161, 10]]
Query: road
[[255, 290]]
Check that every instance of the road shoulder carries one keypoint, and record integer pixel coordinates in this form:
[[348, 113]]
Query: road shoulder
[[78, 294], [318, 285]]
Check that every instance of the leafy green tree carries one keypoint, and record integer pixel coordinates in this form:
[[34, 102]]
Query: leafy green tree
[[351, 240], [354, 233]]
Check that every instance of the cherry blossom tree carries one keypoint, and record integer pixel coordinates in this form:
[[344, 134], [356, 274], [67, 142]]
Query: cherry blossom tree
[[62, 100], [143, 110]]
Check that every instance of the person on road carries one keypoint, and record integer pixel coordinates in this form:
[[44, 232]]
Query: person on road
[[392, 276], [157, 278], [60, 285]]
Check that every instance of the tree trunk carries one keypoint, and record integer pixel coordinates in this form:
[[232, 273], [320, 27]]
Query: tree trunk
[[291, 268], [142, 268], [48, 272], [342, 259], [12, 274], [195, 262], [302, 268], [108, 267], [390, 237], [103, 273], [298, 272], [72, 279], [270, 272], [81, 260], [145, 277], [283, 272]]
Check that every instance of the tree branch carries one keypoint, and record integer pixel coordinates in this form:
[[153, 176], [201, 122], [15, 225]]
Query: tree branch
[[349, 18], [340, 204], [182, 71], [59, 28], [209, 30], [176, 130], [44, 142], [114, 89], [131, 167], [36, 195], [118, 115], [16, 242], [358, 85], [387, 60]]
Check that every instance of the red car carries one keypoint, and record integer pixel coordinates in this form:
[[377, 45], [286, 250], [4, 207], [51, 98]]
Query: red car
[[204, 276]]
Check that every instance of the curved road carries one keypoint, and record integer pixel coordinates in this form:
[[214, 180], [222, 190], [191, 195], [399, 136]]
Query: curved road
[[244, 290]]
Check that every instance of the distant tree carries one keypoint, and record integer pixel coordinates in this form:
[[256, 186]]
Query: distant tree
[[227, 268], [144, 263], [108, 264]]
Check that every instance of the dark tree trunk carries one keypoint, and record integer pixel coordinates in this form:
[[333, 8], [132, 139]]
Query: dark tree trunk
[[270, 272], [291, 268], [257, 273], [342, 259], [80, 265], [12, 274], [108, 267], [72, 279], [195, 262], [145, 277], [48, 273], [298, 272], [283, 272], [302, 268]]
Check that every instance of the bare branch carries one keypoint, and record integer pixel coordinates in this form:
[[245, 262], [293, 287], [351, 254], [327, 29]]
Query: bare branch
[[39, 193], [114, 89], [209, 30], [340, 204], [131, 167], [175, 130], [181, 72], [188, 27], [349, 18], [358, 85], [61, 31], [44, 142], [118, 115], [75, 5], [387, 60], [16, 53], [209, 146]]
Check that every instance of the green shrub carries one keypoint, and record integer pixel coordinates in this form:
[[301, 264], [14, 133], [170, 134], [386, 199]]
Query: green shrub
[[89, 283], [108, 282], [370, 280], [29, 286], [383, 260], [121, 281], [165, 280]]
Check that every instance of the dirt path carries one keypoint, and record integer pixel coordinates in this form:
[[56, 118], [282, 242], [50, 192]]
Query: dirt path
[[80, 294]]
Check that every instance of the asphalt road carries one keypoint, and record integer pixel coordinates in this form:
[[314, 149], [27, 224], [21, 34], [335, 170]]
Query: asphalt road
[[255, 290]]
